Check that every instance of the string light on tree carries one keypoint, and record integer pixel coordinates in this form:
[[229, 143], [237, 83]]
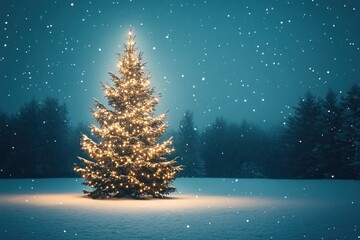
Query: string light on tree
[[128, 160]]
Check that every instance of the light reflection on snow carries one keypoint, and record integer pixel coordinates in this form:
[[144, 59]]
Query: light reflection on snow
[[258, 209], [173, 202]]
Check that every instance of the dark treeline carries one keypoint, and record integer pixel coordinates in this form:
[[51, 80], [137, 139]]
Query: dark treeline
[[38, 141], [320, 140]]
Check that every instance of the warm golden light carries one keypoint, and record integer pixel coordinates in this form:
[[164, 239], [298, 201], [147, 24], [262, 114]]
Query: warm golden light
[[128, 160]]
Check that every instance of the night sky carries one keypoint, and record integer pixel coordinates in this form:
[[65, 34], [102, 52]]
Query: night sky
[[237, 59]]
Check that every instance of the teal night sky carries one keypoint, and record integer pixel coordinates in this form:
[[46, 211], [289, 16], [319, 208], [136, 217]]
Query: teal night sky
[[237, 59]]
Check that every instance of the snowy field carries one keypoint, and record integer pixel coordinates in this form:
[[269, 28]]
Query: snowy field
[[201, 209]]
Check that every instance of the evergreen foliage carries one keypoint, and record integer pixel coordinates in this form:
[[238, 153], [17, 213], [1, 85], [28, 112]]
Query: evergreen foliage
[[36, 141], [212, 148], [328, 147], [186, 144], [349, 134], [302, 138], [128, 160], [232, 150], [55, 133]]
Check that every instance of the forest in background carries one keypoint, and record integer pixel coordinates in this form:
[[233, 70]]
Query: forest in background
[[321, 139], [38, 141]]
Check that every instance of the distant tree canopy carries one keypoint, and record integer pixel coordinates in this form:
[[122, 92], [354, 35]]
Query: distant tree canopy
[[302, 137], [231, 150], [321, 139], [187, 147], [349, 134], [37, 142]]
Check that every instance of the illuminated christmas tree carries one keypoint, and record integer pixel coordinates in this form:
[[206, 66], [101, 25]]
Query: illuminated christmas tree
[[128, 160]]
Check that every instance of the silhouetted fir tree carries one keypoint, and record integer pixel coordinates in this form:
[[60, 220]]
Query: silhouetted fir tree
[[38, 141], [251, 150], [328, 147], [26, 146], [349, 135], [54, 158], [128, 161], [302, 137], [274, 164], [213, 148], [5, 144], [233, 149], [186, 145]]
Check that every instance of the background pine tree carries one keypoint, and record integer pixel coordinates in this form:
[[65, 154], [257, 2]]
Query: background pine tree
[[187, 141], [212, 148], [349, 134], [128, 160], [303, 136], [328, 147]]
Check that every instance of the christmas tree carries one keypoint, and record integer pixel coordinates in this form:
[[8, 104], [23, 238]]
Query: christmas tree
[[128, 160]]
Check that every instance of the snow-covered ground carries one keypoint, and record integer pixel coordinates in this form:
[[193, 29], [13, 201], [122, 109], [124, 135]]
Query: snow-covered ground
[[201, 209]]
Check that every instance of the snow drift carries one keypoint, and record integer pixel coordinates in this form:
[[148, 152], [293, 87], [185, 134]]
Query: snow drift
[[200, 209]]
